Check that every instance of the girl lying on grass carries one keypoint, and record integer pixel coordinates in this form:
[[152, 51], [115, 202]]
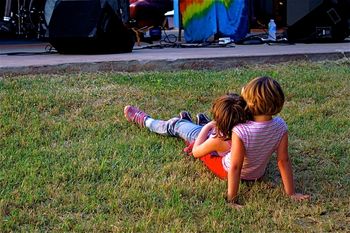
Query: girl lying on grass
[[243, 147], [211, 142]]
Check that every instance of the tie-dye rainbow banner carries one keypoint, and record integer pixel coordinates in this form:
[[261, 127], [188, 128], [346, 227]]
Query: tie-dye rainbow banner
[[201, 19]]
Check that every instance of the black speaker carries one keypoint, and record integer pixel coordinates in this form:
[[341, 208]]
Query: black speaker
[[88, 27], [328, 22]]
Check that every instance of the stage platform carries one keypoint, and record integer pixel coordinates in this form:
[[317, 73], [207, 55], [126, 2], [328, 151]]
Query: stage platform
[[33, 57]]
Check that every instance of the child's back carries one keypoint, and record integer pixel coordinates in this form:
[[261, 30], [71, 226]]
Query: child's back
[[260, 140]]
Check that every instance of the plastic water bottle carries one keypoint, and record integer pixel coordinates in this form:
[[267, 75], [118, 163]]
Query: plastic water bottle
[[272, 30]]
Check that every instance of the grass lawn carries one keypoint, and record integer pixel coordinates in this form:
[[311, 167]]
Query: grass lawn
[[71, 162]]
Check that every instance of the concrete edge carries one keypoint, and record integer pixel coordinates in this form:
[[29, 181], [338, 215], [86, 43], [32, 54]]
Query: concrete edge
[[217, 63]]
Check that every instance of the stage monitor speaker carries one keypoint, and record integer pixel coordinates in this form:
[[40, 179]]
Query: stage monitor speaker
[[327, 22], [297, 9], [88, 27]]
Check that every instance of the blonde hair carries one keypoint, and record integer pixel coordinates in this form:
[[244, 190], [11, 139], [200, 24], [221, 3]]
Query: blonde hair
[[264, 96], [228, 111]]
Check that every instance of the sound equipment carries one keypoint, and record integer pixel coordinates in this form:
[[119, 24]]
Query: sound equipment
[[22, 19], [297, 9], [88, 26], [328, 21]]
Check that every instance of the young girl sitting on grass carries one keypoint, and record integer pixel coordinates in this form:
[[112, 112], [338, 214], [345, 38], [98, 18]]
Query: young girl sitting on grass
[[211, 141], [254, 142]]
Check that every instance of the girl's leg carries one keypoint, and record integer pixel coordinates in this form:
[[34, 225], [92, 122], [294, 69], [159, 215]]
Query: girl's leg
[[142, 119], [186, 130], [161, 127], [176, 127]]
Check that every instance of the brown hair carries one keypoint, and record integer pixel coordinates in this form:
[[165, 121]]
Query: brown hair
[[228, 111], [264, 96]]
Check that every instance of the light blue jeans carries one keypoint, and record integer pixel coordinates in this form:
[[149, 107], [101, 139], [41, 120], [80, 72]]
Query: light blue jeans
[[176, 127]]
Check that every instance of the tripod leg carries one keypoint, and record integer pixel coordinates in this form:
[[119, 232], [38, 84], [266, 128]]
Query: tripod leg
[[7, 13], [6, 26]]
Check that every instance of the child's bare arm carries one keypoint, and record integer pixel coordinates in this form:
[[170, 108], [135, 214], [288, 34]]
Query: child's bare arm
[[285, 167], [204, 145], [234, 173]]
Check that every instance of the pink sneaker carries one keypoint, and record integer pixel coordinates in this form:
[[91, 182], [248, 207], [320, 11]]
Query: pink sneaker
[[135, 115]]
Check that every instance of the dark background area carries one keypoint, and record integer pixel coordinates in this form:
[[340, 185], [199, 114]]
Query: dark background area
[[261, 11], [287, 14]]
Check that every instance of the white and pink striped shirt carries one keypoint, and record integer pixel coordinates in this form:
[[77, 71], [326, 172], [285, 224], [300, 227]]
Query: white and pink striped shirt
[[260, 140]]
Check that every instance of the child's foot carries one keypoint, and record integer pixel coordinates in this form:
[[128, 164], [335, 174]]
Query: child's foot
[[135, 115], [202, 119], [185, 115]]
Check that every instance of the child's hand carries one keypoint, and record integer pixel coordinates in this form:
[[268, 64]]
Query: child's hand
[[211, 124], [300, 197], [232, 202], [235, 206]]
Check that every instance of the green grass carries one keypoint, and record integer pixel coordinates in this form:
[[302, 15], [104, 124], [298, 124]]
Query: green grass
[[71, 162]]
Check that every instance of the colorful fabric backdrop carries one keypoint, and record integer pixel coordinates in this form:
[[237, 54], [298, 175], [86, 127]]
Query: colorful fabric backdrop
[[201, 19]]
